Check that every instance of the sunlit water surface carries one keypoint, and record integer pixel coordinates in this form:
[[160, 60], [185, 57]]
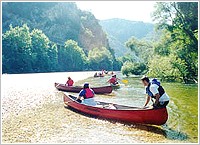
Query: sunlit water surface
[[33, 112]]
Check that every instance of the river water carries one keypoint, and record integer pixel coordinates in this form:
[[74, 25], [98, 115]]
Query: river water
[[32, 111]]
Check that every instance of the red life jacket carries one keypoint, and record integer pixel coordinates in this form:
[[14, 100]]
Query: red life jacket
[[113, 80], [70, 82], [89, 93]]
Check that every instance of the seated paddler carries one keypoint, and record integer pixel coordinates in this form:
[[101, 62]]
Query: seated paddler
[[113, 80], [69, 82], [86, 96]]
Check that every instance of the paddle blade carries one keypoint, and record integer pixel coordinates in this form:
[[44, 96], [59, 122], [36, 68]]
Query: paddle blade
[[125, 81]]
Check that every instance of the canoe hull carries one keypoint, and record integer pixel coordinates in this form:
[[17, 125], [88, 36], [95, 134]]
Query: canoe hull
[[133, 116], [76, 89], [115, 87], [98, 76]]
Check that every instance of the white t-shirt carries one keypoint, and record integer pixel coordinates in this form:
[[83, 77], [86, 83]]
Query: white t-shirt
[[154, 90]]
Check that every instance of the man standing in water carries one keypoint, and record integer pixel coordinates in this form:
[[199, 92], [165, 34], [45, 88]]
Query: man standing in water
[[156, 91]]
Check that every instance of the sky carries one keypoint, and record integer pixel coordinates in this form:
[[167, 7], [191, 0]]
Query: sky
[[129, 10]]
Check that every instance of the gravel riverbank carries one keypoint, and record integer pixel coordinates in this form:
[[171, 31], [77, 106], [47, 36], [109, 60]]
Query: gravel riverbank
[[30, 105]]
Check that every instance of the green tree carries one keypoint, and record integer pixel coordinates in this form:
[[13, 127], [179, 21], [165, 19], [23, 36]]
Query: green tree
[[40, 46], [25, 52], [162, 46], [162, 67], [180, 21], [182, 16], [137, 63], [129, 57], [100, 59], [53, 57], [71, 57], [142, 48], [16, 50], [133, 68], [117, 64]]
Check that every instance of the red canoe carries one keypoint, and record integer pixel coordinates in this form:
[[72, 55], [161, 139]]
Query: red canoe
[[120, 113], [77, 89]]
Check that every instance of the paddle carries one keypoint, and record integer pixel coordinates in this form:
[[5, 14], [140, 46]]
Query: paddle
[[125, 81]]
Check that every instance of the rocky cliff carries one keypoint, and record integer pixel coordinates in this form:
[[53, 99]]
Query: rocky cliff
[[60, 21]]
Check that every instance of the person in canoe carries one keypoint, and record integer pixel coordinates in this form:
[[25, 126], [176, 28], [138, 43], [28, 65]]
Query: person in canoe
[[98, 74], [95, 75], [113, 80], [69, 82], [86, 96], [101, 74], [105, 71], [111, 73], [156, 91]]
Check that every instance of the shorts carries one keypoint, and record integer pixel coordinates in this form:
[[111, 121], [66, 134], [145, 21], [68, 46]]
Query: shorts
[[161, 104]]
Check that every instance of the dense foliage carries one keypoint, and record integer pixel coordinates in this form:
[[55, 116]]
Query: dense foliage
[[71, 57], [174, 56], [31, 51], [57, 36], [100, 59], [181, 37], [60, 21], [24, 51], [132, 64], [60, 37], [133, 68], [44, 57], [136, 63], [142, 48]]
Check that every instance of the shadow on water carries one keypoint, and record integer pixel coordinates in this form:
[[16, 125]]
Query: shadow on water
[[164, 130], [173, 134]]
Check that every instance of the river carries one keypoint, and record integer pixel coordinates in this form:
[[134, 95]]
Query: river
[[32, 111]]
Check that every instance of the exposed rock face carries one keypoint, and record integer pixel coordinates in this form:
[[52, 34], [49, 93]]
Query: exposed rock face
[[91, 34], [58, 20]]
